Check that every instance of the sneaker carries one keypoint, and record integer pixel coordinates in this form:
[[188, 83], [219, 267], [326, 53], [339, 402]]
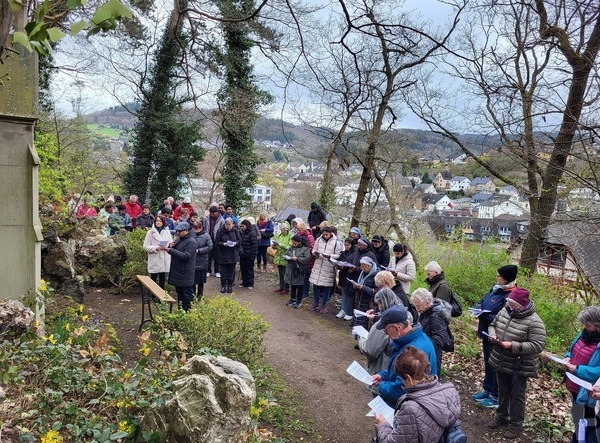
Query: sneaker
[[242, 285], [490, 403], [480, 396], [250, 287], [348, 317], [218, 275], [340, 314], [208, 274], [291, 302], [496, 423], [313, 307], [223, 289], [512, 432], [323, 310], [297, 305]]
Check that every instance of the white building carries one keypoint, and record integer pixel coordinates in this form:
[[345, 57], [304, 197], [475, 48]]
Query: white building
[[459, 183], [260, 194], [497, 206]]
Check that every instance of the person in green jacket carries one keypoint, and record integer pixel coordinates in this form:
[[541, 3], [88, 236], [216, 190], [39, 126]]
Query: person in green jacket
[[281, 242]]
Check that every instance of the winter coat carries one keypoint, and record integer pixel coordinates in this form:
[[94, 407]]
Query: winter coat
[[368, 282], [405, 268], [178, 209], [439, 287], [493, 301], [382, 254], [183, 261], [434, 322], [144, 221], [265, 237], [526, 330], [399, 291], [316, 217], [323, 271], [355, 258], [203, 247], [249, 242], [295, 270], [219, 223], [347, 256], [377, 348], [284, 242], [422, 414], [158, 261], [133, 209], [589, 372], [391, 388], [228, 254]]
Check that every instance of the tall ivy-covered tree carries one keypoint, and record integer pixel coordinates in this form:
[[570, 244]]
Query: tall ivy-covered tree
[[165, 144], [239, 100]]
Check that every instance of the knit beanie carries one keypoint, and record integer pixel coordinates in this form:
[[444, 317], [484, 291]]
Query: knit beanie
[[508, 272], [520, 295]]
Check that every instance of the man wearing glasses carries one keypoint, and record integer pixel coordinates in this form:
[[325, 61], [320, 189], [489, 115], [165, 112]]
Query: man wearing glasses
[[402, 334]]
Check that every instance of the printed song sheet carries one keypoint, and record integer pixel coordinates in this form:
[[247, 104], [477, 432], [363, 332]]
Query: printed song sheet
[[360, 331], [359, 373], [380, 407], [579, 381]]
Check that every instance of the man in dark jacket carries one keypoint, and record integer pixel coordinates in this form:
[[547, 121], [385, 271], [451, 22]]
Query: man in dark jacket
[[228, 241], [183, 264], [213, 222], [145, 220], [248, 253], [316, 216], [204, 245]]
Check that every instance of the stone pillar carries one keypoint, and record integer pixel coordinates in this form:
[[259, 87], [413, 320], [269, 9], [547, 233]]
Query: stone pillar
[[20, 227]]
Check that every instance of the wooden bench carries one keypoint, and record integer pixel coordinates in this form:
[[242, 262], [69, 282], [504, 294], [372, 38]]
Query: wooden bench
[[151, 294]]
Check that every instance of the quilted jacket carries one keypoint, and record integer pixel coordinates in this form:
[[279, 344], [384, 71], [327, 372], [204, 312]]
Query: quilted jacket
[[377, 348], [527, 333], [323, 271], [422, 414], [406, 269]]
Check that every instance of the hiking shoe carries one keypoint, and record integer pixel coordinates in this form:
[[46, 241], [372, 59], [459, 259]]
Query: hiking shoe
[[218, 275], [291, 302], [512, 432], [480, 396], [208, 274], [297, 305], [313, 307], [223, 289], [489, 402], [340, 314], [497, 422], [348, 317], [323, 310], [250, 287], [229, 289]]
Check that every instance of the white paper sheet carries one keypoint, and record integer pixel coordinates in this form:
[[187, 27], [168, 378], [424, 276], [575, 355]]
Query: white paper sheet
[[360, 331], [579, 381], [286, 257], [558, 360], [476, 312], [358, 313], [359, 373], [379, 406], [164, 243]]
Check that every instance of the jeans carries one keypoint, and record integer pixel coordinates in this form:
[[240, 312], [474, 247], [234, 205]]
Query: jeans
[[262, 255], [282, 284], [347, 302], [185, 296], [306, 288], [160, 278], [490, 381], [227, 274], [247, 271], [321, 290]]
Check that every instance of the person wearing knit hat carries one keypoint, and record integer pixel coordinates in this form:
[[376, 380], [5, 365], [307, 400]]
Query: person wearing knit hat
[[508, 272], [365, 287], [355, 233], [518, 336], [347, 255], [281, 243], [316, 216], [381, 249]]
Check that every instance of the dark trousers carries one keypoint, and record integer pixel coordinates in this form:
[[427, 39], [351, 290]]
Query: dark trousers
[[362, 302], [199, 280], [490, 381], [185, 296], [261, 256], [579, 412], [227, 274], [306, 289], [296, 293], [282, 284], [511, 398], [213, 258], [247, 271], [160, 278]]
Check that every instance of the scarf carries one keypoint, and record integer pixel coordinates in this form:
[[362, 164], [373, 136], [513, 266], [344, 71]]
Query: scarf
[[590, 337]]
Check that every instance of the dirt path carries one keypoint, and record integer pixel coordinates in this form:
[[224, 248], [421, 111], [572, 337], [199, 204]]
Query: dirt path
[[311, 352]]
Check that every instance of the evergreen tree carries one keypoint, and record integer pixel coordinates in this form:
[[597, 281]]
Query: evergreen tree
[[165, 144]]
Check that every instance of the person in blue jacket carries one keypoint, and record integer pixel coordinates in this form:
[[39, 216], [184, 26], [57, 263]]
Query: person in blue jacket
[[394, 322], [493, 302]]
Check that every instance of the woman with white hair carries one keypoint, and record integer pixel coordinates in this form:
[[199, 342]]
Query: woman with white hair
[[365, 288], [434, 316], [437, 281]]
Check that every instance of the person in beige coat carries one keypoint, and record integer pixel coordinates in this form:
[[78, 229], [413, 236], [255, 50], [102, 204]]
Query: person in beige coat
[[159, 260], [402, 266], [322, 275], [518, 336]]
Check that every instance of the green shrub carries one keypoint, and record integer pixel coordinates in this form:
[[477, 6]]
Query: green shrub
[[137, 258], [221, 324]]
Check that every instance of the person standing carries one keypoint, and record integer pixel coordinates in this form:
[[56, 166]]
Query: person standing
[[365, 289], [203, 247], [297, 257], [266, 230], [492, 302], [437, 281], [248, 253], [281, 242], [518, 336], [183, 264], [213, 223], [159, 261], [228, 241], [316, 216], [229, 213], [402, 266], [322, 275], [347, 255], [381, 249], [187, 204], [133, 208], [145, 220]]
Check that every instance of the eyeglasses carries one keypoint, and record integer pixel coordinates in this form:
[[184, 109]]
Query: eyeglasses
[[387, 327]]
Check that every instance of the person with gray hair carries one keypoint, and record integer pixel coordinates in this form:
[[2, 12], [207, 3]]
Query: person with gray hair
[[583, 360], [377, 344], [434, 316], [228, 240], [437, 281]]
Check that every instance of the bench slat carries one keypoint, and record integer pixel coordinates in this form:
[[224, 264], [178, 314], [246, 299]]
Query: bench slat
[[156, 290]]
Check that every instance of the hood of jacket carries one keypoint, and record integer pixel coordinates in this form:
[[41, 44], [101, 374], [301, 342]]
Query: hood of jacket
[[435, 279], [442, 307], [440, 399]]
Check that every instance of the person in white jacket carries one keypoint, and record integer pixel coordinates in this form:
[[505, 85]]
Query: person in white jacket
[[322, 275], [159, 261], [403, 267]]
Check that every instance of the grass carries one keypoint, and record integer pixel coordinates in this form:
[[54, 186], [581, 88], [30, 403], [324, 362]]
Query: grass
[[104, 131]]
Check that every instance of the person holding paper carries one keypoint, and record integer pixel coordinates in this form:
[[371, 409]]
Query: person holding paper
[[203, 247], [394, 322], [248, 252], [583, 361], [281, 242], [297, 257], [493, 302], [228, 240], [347, 255], [402, 266], [518, 336], [159, 261], [427, 408], [183, 264], [322, 275], [365, 288], [381, 249]]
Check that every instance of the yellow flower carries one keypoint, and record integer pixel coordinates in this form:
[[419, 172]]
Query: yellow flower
[[51, 437], [80, 309], [43, 288], [127, 374], [50, 338], [85, 317], [68, 327], [125, 427], [145, 350]]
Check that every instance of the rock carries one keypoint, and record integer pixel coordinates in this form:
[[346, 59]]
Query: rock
[[210, 403], [60, 260], [2, 393], [15, 318], [73, 287], [106, 259]]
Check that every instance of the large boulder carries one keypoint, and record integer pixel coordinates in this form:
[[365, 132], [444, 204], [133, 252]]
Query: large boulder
[[105, 259], [60, 260], [15, 318], [210, 403]]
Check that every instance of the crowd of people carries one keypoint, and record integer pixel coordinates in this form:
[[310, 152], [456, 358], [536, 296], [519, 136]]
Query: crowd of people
[[407, 332]]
